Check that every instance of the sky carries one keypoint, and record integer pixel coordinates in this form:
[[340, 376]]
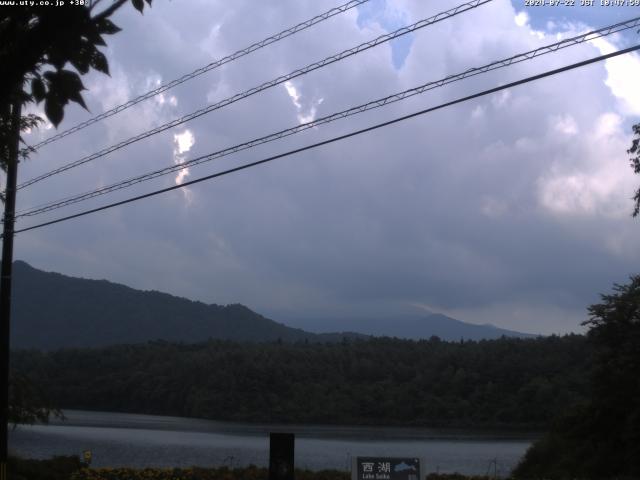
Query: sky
[[512, 209]]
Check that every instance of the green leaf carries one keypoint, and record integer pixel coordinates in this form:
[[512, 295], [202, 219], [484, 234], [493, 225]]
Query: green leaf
[[54, 109], [93, 36], [64, 85], [69, 82], [107, 27], [49, 75], [56, 58], [99, 62], [81, 59], [37, 89], [30, 120], [77, 97], [70, 87]]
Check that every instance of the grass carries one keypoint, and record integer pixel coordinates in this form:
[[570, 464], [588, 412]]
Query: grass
[[71, 468]]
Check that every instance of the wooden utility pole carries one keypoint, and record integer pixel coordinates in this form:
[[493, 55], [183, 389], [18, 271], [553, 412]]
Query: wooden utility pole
[[5, 279]]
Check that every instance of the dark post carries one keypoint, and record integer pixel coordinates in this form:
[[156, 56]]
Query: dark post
[[281, 449], [5, 282]]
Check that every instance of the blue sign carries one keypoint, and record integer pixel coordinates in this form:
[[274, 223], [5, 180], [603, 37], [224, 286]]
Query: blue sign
[[385, 468]]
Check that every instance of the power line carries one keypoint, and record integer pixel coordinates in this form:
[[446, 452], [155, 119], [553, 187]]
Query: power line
[[338, 138], [213, 65], [277, 81], [618, 27]]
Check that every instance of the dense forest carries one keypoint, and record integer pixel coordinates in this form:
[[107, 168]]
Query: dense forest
[[601, 438], [491, 383]]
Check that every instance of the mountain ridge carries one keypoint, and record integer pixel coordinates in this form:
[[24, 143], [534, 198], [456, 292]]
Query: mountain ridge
[[51, 310], [412, 327]]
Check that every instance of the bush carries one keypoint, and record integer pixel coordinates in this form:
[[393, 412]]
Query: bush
[[196, 473], [56, 468]]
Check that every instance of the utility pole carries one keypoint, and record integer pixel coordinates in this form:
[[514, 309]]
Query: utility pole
[[5, 279], [33, 37]]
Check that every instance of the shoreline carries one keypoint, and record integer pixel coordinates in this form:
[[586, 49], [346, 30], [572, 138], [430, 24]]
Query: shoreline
[[102, 419]]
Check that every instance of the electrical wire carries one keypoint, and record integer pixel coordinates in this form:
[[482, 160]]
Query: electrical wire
[[277, 81], [576, 40], [213, 65], [338, 138]]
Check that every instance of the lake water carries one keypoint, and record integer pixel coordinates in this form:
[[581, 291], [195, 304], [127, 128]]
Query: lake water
[[117, 439]]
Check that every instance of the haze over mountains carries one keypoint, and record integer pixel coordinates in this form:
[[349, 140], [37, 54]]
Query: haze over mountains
[[53, 311], [407, 326]]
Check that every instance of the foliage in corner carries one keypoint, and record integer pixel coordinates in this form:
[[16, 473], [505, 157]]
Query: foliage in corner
[[28, 403], [39, 46], [55, 468], [602, 439], [43, 52]]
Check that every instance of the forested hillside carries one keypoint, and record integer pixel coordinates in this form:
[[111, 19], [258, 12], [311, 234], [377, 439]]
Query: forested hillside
[[53, 311], [506, 382]]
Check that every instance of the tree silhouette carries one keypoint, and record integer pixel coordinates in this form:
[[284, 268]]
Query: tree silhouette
[[43, 52], [600, 439], [28, 403], [615, 410], [38, 45]]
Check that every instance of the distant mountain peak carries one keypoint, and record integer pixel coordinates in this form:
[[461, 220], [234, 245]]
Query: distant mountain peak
[[52, 310], [413, 327]]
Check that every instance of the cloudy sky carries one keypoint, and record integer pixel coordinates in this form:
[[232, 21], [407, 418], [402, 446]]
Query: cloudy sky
[[512, 209]]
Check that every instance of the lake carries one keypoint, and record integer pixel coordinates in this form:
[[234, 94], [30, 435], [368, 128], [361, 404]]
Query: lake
[[118, 439]]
